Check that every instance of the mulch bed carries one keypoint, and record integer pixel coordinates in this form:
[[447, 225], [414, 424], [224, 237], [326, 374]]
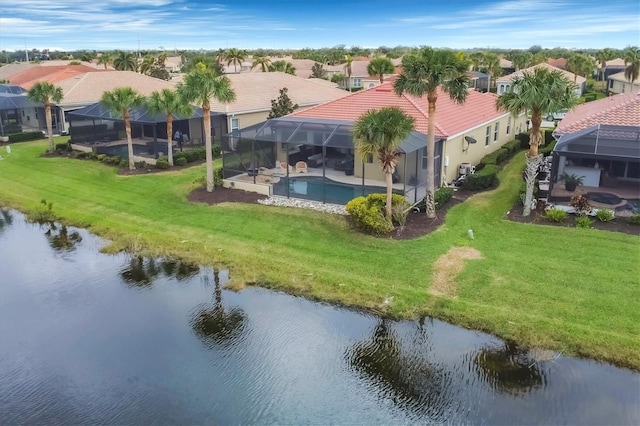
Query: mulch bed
[[617, 225]]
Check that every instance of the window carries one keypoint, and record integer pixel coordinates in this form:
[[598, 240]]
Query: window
[[486, 138], [235, 124], [357, 82], [424, 158], [623, 87], [508, 125], [495, 132]]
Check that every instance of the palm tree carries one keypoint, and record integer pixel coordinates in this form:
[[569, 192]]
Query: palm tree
[[602, 57], [379, 67], [580, 64], [477, 60], [423, 73], [539, 92], [282, 66], [522, 60], [125, 61], [380, 133], [347, 69], [119, 101], [200, 85], [492, 66], [46, 93], [632, 64], [261, 61], [168, 102], [147, 64], [235, 56], [105, 58]]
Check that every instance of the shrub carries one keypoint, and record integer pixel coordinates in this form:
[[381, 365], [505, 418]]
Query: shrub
[[216, 150], [583, 222], [442, 196], [368, 217], [180, 161], [124, 162], [102, 157], [162, 163], [83, 155], [547, 148], [26, 136], [555, 215], [139, 165], [512, 146], [483, 179], [42, 213], [195, 154], [218, 177], [113, 160], [634, 219], [581, 204], [605, 215], [65, 146]]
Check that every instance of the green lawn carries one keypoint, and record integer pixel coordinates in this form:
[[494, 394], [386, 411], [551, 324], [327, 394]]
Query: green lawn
[[569, 289]]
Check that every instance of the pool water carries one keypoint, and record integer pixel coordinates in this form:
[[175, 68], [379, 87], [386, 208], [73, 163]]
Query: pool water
[[324, 190]]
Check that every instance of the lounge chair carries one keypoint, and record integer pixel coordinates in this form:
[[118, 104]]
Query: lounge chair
[[301, 167]]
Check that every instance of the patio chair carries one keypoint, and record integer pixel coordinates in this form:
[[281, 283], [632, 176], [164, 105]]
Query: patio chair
[[301, 167], [284, 166]]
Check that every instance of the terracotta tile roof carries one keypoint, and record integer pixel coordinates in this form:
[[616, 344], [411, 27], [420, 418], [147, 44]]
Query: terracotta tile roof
[[254, 91], [52, 74], [569, 75], [9, 70], [623, 110], [87, 88], [451, 118], [505, 63], [618, 62], [558, 63]]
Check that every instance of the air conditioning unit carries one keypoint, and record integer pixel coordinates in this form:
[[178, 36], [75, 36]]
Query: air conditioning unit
[[465, 169]]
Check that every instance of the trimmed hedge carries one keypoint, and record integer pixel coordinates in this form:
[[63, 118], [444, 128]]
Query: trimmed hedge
[[26, 136], [483, 179], [180, 161], [524, 139]]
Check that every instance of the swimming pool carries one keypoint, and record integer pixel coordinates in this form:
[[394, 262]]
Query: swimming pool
[[123, 151], [324, 190]]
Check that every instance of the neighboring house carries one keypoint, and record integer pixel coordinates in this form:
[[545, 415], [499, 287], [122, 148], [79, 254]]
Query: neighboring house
[[558, 63], [18, 113], [507, 66], [320, 137], [600, 142], [618, 83], [51, 74], [478, 81], [254, 92], [504, 83], [173, 64], [613, 66], [360, 77]]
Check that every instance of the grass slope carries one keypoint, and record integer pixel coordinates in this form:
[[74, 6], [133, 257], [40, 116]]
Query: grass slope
[[569, 289]]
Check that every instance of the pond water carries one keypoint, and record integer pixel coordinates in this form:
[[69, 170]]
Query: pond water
[[92, 338]]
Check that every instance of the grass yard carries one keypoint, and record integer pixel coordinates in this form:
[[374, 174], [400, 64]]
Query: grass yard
[[569, 289]]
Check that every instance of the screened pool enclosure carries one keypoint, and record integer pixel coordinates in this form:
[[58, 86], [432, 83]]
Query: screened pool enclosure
[[314, 159]]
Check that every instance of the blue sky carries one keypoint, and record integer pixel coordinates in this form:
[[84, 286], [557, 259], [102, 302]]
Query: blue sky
[[192, 24]]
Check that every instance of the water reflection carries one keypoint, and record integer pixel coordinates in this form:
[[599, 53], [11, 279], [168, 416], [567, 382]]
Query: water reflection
[[215, 325], [6, 219], [141, 271], [59, 237], [510, 369]]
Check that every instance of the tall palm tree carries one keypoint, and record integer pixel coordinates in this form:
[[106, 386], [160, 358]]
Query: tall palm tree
[[168, 102], [235, 56], [580, 64], [46, 93], [200, 85], [261, 61], [477, 60], [147, 63], [119, 101], [522, 60], [602, 57], [125, 61], [105, 58], [282, 66], [423, 73], [492, 66], [539, 92], [632, 64], [347, 69], [380, 66], [380, 133]]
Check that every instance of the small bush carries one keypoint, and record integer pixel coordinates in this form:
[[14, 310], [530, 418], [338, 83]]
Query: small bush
[[218, 177], [581, 204], [555, 215], [62, 147], [140, 165], [216, 150], [195, 154], [634, 219], [547, 148], [399, 213], [113, 160], [26, 136], [368, 217], [124, 162], [162, 163], [42, 213], [83, 155], [605, 215], [102, 157], [483, 179], [442, 196], [583, 222], [512, 146], [180, 161]]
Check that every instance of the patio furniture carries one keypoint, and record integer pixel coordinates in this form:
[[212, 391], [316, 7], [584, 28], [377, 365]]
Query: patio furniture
[[315, 160], [301, 167]]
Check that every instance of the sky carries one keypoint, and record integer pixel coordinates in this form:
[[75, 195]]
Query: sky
[[293, 24]]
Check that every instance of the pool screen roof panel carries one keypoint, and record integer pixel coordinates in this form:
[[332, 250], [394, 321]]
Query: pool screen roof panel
[[604, 140], [138, 114]]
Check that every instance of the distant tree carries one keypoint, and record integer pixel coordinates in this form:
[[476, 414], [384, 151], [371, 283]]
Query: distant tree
[[147, 64], [380, 66], [317, 71], [261, 61], [202, 58], [580, 64], [522, 60], [535, 49], [235, 56], [120, 101], [380, 133], [539, 58], [347, 69], [125, 61], [338, 78], [602, 57], [106, 58], [282, 105], [492, 67], [46, 93], [632, 64], [168, 102], [282, 66], [477, 60], [201, 85]]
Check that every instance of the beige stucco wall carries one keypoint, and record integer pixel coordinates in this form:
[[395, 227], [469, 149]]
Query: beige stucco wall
[[624, 87], [454, 146]]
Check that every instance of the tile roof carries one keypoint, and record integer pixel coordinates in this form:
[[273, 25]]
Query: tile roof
[[51, 74], [569, 75], [558, 63], [254, 91], [451, 118], [619, 76], [358, 68], [6, 71], [623, 109], [87, 88], [618, 62]]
